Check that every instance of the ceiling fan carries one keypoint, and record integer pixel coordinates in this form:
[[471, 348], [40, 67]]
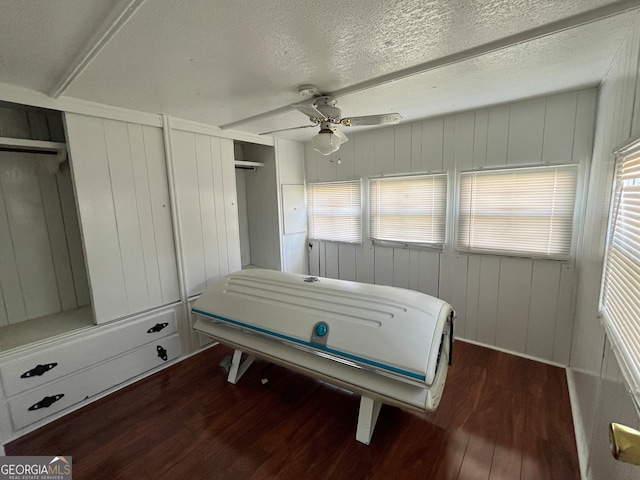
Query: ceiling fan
[[322, 112]]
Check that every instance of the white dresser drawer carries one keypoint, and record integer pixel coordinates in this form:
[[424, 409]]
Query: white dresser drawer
[[85, 384], [33, 370]]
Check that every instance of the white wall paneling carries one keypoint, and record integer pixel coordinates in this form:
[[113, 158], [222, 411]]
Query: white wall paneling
[[122, 192], [243, 217], [502, 302], [205, 190], [598, 393], [43, 271], [262, 200]]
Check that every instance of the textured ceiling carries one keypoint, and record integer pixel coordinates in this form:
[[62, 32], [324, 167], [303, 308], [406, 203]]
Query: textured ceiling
[[224, 62]]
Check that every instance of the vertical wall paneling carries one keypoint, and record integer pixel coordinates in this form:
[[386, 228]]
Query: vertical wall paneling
[[13, 302], [243, 217], [497, 299], [57, 239], [188, 204], [401, 265], [543, 307], [347, 261], [488, 299], [327, 167], [384, 150], [331, 260], [458, 288], [365, 263], [220, 198], [432, 145], [160, 203], [526, 130], [73, 236], [383, 266], [311, 164], [513, 303], [416, 147], [473, 298], [127, 218], [314, 258], [89, 156], [559, 128], [449, 144], [346, 167], [564, 315], [498, 136], [402, 146], [111, 162], [463, 144], [428, 278], [213, 242], [481, 128], [290, 171], [231, 206]]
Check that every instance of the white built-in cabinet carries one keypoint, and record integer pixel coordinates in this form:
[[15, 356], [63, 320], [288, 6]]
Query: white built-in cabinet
[[122, 192], [207, 211]]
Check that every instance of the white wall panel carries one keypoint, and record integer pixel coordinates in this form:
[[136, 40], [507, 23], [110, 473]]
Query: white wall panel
[[331, 262], [401, 273], [347, 261], [204, 178], [122, 221], [500, 301]]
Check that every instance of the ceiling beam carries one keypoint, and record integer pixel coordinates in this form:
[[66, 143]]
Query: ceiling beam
[[118, 18], [542, 31]]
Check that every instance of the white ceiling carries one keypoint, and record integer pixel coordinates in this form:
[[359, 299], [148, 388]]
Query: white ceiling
[[224, 63]]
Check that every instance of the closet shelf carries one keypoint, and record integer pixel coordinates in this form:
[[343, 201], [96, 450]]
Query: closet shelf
[[54, 152]]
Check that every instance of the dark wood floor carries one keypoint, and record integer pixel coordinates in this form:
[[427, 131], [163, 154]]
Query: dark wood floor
[[501, 417]]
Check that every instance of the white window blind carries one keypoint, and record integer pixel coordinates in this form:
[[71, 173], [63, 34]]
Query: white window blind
[[620, 298], [409, 209], [335, 211], [518, 211]]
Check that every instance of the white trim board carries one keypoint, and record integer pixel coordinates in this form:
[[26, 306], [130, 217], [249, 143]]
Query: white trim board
[[579, 432], [510, 352]]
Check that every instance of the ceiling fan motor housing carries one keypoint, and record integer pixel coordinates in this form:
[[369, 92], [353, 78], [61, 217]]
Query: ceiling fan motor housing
[[327, 106]]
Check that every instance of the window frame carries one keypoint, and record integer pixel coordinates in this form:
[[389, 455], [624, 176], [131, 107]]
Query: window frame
[[310, 237], [437, 247], [628, 367], [575, 224]]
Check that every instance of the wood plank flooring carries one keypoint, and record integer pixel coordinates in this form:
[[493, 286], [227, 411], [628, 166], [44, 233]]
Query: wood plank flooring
[[501, 418]]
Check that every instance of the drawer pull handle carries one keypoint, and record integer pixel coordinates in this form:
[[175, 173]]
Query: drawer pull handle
[[157, 327], [162, 353], [38, 370], [46, 402]]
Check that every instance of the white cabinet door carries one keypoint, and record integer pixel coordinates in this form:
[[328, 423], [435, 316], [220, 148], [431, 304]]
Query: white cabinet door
[[125, 215], [204, 176]]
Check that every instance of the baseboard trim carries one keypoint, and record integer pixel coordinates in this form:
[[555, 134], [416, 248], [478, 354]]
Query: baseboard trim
[[578, 428], [510, 352]]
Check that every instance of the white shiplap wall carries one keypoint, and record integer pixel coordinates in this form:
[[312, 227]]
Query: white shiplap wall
[[122, 191], [42, 269], [207, 212], [520, 305]]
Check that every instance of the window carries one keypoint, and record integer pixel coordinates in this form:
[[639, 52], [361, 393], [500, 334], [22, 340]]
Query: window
[[620, 297], [518, 211], [409, 209], [335, 211]]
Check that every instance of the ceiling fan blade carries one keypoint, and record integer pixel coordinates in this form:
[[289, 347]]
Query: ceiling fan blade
[[291, 128], [382, 119], [343, 138], [309, 109]]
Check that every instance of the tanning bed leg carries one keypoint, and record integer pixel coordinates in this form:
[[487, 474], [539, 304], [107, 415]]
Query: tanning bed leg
[[238, 367], [367, 417]]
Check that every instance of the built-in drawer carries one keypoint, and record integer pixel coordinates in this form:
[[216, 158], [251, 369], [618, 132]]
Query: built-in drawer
[[32, 370], [42, 402]]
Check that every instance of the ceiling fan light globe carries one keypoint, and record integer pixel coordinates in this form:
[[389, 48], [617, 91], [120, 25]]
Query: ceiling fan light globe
[[325, 143]]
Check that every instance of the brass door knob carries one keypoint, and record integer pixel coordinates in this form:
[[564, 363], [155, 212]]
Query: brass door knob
[[624, 443]]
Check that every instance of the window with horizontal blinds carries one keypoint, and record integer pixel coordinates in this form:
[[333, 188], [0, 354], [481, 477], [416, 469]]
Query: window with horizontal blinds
[[620, 296], [334, 211], [518, 211], [410, 209]]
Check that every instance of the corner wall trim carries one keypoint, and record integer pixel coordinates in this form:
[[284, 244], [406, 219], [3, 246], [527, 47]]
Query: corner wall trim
[[578, 427]]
